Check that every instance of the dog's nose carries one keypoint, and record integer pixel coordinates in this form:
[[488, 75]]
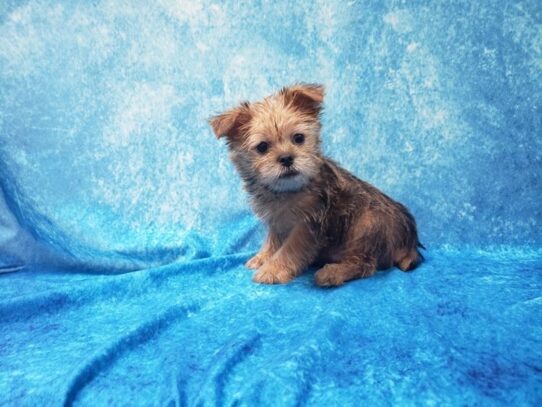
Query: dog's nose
[[286, 160]]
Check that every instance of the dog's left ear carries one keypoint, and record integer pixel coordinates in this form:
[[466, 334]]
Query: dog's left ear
[[231, 123], [305, 96]]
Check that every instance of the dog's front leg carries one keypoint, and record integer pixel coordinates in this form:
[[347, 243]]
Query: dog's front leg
[[297, 251], [268, 249]]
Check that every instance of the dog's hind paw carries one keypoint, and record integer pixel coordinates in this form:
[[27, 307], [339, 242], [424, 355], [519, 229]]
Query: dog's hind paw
[[329, 276]]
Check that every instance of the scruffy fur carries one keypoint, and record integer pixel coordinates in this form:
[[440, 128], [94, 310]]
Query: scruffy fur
[[316, 212]]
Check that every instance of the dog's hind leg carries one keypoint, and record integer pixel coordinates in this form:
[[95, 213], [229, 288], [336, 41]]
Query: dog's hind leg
[[407, 259], [334, 274]]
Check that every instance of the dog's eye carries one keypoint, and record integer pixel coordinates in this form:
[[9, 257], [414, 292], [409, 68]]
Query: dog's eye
[[262, 147], [298, 138]]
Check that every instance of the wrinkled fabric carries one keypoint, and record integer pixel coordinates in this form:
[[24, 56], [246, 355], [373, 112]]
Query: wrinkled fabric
[[124, 227], [464, 329]]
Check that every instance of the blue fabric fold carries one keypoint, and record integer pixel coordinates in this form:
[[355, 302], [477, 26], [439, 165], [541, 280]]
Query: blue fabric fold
[[465, 328]]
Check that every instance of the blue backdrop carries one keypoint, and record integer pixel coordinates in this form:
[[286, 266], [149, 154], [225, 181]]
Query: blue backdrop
[[107, 165]]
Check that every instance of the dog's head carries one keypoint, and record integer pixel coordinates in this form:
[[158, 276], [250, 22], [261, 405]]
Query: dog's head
[[275, 142]]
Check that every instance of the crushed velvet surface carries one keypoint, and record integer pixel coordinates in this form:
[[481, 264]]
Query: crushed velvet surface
[[463, 329], [128, 226]]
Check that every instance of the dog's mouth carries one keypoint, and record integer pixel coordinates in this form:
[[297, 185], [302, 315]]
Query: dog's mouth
[[289, 174], [289, 180]]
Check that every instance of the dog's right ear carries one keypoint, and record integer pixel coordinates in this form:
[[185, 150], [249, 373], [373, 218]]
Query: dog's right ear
[[231, 123]]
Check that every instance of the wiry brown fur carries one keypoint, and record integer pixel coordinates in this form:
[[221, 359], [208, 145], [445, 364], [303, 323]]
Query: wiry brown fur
[[320, 215]]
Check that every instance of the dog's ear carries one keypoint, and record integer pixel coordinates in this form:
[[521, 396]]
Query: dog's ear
[[305, 96], [231, 122]]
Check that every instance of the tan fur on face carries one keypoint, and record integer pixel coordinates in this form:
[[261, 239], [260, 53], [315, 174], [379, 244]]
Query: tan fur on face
[[320, 215], [275, 120], [276, 127]]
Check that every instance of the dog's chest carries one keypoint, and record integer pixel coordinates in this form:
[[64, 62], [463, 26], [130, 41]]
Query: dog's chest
[[282, 214]]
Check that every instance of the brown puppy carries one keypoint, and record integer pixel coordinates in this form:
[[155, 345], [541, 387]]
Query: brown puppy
[[316, 212]]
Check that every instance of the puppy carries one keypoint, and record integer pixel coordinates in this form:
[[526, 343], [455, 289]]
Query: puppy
[[317, 213]]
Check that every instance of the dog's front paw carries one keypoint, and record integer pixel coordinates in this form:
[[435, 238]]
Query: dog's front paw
[[256, 262], [329, 276], [272, 273]]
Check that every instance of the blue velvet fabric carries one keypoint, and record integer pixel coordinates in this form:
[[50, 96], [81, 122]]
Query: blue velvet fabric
[[124, 228], [465, 329]]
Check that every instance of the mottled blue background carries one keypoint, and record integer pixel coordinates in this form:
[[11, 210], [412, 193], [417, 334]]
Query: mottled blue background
[[106, 152], [107, 163]]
